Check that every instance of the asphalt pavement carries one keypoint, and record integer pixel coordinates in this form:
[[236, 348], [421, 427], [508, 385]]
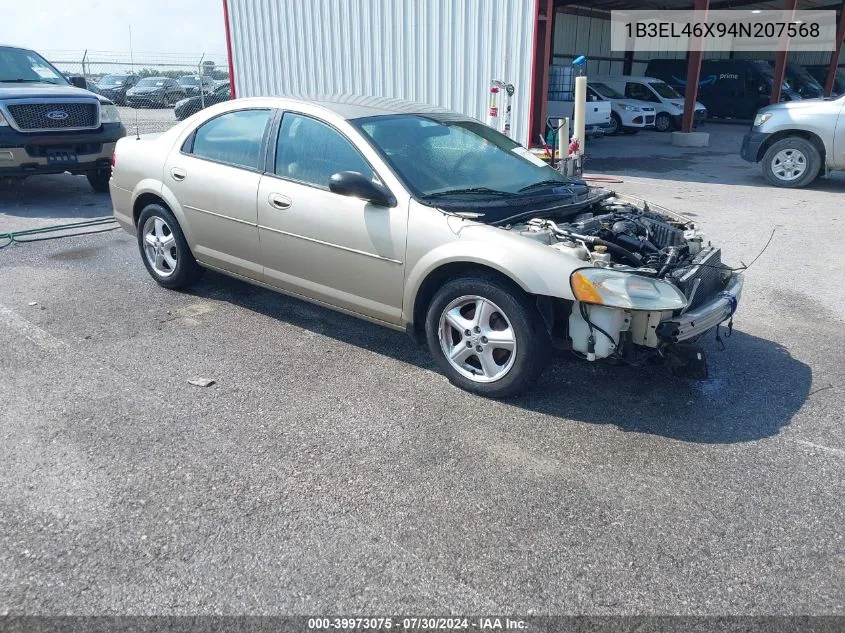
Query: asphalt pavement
[[331, 469]]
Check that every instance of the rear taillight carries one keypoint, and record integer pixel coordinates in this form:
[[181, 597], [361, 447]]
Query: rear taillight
[[113, 159]]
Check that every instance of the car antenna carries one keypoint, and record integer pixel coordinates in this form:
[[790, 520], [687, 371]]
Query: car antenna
[[132, 64]]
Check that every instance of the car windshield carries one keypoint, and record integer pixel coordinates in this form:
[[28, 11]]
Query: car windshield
[[189, 81], [150, 81], [113, 80], [20, 66], [606, 91], [440, 156], [664, 90]]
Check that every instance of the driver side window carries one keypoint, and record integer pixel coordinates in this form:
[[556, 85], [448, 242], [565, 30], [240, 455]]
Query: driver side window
[[311, 152], [638, 91]]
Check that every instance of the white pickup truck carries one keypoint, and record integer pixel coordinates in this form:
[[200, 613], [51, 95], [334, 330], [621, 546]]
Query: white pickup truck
[[597, 121], [797, 141]]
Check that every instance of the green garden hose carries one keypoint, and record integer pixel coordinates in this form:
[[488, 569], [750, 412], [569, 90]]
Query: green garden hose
[[45, 233]]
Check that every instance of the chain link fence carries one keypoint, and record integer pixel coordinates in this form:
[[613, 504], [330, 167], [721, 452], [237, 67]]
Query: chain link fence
[[152, 90]]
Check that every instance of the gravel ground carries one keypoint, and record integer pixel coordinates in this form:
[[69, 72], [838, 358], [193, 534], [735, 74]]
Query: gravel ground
[[332, 469]]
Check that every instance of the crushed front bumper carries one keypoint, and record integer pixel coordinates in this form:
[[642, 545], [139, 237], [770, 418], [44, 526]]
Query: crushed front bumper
[[694, 323]]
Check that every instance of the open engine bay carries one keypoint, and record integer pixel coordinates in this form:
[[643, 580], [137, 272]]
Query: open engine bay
[[651, 285]]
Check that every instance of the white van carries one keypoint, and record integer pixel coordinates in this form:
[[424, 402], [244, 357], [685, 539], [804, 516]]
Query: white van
[[627, 115], [668, 104]]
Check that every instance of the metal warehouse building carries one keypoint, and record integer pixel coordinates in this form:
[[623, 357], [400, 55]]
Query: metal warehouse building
[[446, 52]]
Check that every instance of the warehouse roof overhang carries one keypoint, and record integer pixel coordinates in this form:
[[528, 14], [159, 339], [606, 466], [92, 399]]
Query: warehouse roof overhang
[[679, 5]]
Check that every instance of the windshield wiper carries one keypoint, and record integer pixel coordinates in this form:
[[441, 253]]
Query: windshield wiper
[[545, 183], [484, 190]]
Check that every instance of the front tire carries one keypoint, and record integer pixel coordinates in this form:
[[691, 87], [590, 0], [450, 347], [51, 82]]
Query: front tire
[[792, 162], [487, 336], [663, 123], [615, 124], [164, 250], [99, 180]]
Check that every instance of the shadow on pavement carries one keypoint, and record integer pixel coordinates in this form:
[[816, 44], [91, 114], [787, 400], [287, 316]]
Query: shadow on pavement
[[755, 389], [53, 196]]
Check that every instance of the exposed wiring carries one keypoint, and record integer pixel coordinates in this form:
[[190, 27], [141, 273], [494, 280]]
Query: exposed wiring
[[593, 326]]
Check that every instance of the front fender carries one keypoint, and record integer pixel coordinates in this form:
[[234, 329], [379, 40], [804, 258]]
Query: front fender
[[536, 268]]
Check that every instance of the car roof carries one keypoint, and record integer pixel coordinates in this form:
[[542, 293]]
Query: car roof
[[360, 106]]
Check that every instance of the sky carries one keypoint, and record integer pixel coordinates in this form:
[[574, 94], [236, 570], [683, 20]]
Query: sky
[[189, 27]]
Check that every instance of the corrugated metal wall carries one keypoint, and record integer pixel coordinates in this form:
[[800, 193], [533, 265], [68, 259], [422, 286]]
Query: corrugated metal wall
[[590, 35], [443, 52]]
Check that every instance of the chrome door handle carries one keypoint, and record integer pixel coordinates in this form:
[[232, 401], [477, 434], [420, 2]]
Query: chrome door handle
[[279, 201], [178, 174]]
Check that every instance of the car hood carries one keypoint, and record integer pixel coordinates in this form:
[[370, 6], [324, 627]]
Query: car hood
[[46, 90], [136, 91], [801, 104]]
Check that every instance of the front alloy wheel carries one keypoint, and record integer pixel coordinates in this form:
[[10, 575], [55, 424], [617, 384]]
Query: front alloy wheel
[[477, 338], [792, 162], [663, 123], [487, 335]]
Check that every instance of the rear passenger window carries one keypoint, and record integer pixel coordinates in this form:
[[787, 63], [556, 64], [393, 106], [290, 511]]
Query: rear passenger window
[[233, 138], [312, 152]]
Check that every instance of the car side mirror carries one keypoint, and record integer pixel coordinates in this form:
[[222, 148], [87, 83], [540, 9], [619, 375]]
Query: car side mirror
[[357, 185], [79, 82]]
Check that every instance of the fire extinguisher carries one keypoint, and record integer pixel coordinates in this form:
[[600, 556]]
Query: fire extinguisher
[[493, 114]]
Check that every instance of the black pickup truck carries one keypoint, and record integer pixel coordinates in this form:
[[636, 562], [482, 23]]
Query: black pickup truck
[[52, 125]]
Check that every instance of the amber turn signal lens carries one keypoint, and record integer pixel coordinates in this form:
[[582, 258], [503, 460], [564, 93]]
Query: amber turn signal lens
[[584, 289]]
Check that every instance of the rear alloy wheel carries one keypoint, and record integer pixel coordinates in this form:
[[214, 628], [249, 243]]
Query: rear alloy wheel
[[488, 338], [663, 122], [99, 180], [164, 249], [791, 162]]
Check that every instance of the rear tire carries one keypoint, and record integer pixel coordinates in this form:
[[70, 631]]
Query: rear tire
[[164, 250], [792, 162], [99, 180], [507, 346]]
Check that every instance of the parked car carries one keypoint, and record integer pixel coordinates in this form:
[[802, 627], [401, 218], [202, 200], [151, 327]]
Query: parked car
[[797, 142], [192, 105], [801, 81], [155, 92], [427, 221], [819, 73], [627, 115], [115, 86], [52, 125], [729, 88], [194, 84], [667, 103]]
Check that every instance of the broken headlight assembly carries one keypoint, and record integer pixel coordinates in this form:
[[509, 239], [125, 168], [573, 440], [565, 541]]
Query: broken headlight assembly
[[616, 289]]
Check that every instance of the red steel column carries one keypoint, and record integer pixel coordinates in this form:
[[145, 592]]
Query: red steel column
[[540, 70], [780, 56], [229, 48], [693, 74], [834, 56]]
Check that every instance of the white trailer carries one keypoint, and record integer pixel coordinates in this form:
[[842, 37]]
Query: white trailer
[[443, 52]]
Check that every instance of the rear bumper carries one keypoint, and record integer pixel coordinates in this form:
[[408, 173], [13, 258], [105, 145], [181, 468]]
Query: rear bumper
[[694, 323], [24, 154], [751, 144]]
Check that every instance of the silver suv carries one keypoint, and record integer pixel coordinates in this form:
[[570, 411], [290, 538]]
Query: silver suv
[[798, 141]]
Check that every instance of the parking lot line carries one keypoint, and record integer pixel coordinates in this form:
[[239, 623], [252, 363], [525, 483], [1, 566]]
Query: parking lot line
[[30, 331], [829, 449]]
